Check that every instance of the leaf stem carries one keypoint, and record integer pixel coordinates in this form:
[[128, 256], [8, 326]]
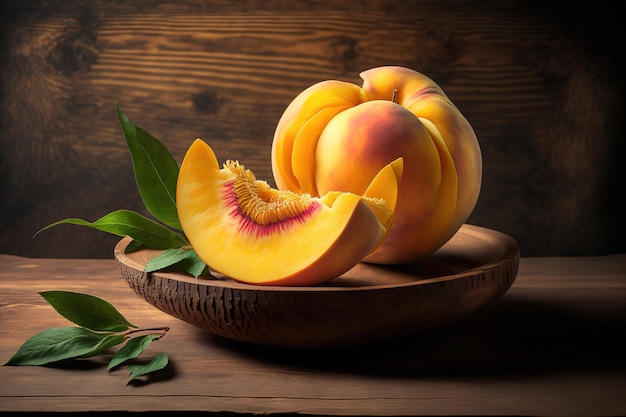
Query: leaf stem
[[152, 330]]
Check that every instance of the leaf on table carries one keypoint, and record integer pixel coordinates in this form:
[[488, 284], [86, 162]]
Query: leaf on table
[[129, 223], [157, 363], [60, 343], [87, 311], [183, 259], [109, 340], [133, 348], [156, 171]]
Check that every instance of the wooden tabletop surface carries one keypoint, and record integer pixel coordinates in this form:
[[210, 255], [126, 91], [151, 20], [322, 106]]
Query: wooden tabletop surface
[[552, 345]]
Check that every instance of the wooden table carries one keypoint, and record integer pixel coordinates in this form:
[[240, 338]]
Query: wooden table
[[552, 345]]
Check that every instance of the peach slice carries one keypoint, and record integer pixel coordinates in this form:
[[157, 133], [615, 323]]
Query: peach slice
[[244, 229]]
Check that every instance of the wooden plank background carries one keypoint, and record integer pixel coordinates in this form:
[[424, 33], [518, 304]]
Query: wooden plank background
[[540, 85]]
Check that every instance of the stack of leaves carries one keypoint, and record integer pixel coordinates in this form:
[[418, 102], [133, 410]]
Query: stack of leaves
[[156, 174], [100, 327]]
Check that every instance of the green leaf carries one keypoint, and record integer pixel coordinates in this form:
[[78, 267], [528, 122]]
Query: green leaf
[[133, 348], [133, 246], [87, 311], [129, 223], [157, 363], [166, 259], [194, 266], [156, 171], [109, 340], [60, 343], [179, 259]]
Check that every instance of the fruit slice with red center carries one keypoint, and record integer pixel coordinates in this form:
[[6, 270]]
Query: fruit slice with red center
[[244, 229]]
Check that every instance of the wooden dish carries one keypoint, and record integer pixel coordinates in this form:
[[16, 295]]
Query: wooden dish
[[366, 304]]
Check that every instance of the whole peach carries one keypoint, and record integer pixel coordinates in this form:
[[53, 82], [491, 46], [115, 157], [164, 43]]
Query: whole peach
[[337, 136]]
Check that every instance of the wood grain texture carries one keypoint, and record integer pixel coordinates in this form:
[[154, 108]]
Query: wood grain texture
[[551, 346], [367, 304], [539, 84]]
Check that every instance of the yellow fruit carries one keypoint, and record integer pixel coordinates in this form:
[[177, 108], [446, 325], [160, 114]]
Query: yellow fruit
[[337, 136], [242, 228]]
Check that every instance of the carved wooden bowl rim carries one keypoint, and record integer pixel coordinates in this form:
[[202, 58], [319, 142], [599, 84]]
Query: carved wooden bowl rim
[[367, 303]]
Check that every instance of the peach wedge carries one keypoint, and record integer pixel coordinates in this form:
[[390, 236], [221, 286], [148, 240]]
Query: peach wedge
[[242, 228]]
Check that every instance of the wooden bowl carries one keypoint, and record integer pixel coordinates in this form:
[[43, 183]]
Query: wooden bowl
[[366, 304]]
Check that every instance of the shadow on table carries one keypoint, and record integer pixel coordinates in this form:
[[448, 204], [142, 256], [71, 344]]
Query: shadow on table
[[513, 335], [100, 363]]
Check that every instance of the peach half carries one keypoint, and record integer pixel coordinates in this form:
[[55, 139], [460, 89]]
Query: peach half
[[241, 227]]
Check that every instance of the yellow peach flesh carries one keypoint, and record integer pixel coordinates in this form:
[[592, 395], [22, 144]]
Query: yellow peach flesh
[[331, 97]]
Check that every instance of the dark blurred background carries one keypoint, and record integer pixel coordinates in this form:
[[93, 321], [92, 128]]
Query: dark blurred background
[[540, 83]]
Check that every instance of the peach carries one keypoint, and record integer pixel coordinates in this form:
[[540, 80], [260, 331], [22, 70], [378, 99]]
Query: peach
[[337, 136], [241, 227]]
